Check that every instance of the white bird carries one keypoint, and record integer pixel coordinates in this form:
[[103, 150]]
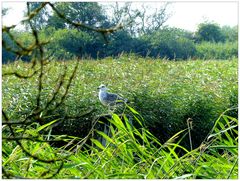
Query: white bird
[[109, 99]]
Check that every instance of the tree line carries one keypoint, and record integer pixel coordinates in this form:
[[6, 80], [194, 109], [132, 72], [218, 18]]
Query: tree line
[[143, 34]]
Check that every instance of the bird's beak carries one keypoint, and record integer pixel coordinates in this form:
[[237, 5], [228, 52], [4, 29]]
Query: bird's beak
[[98, 88]]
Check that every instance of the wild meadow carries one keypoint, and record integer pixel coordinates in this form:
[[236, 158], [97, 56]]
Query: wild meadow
[[183, 115]]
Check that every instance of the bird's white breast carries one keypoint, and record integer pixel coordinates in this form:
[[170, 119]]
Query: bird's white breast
[[102, 96]]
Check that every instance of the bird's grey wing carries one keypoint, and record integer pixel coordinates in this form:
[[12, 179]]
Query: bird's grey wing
[[111, 97]]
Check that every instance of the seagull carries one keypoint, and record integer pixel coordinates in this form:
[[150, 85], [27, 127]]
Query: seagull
[[109, 99]]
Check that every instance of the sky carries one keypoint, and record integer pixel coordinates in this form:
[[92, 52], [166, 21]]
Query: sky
[[185, 15], [188, 15]]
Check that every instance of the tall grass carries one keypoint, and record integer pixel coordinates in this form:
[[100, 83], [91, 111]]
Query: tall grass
[[179, 137], [132, 152], [165, 93]]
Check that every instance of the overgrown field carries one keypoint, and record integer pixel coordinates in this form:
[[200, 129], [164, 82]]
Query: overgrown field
[[168, 95]]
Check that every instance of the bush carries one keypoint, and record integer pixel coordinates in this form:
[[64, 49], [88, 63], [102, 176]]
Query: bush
[[165, 114], [67, 43], [210, 32], [171, 43], [230, 33], [120, 42], [159, 113], [207, 50]]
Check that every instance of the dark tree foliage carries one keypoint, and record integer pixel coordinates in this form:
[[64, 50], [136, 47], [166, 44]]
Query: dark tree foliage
[[171, 43], [120, 42], [89, 13], [39, 20], [7, 55], [209, 32]]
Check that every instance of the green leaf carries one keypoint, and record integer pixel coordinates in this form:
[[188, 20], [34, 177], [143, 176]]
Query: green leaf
[[184, 176], [46, 125], [98, 144], [222, 131], [105, 136], [224, 147]]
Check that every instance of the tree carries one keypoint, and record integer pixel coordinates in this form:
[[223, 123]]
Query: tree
[[39, 20], [154, 21], [120, 42], [142, 18], [209, 32], [69, 43], [4, 11], [89, 13], [171, 43], [7, 56]]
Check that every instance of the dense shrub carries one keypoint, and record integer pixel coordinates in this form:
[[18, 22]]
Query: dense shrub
[[171, 43], [165, 116], [210, 32], [230, 33], [119, 42], [159, 110], [207, 50], [201, 111], [66, 43]]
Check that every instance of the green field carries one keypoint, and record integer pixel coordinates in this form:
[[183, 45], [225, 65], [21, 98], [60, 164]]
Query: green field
[[163, 95]]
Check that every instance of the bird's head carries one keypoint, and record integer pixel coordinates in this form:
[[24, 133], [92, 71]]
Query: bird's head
[[102, 87]]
